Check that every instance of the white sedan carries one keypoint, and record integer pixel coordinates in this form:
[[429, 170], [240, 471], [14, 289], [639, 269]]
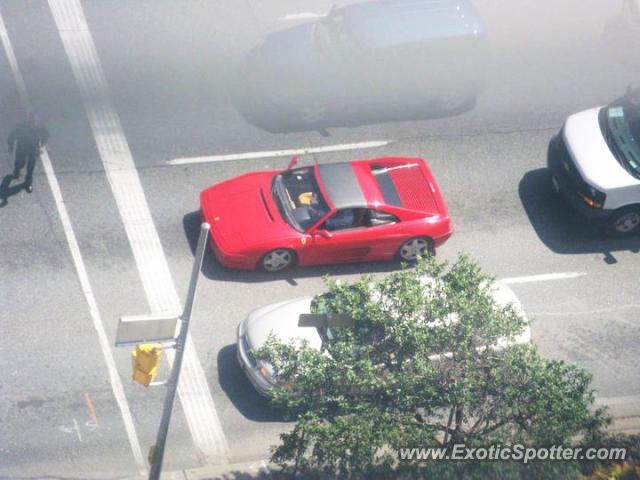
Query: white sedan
[[281, 319]]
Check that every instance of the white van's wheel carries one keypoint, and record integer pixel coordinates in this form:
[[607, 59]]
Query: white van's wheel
[[624, 222]]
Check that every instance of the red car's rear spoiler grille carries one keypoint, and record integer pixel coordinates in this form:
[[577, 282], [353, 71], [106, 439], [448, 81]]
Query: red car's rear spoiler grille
[[414, 189]]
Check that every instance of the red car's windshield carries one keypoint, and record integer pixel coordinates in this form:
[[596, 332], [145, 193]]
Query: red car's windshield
[[298, 197]]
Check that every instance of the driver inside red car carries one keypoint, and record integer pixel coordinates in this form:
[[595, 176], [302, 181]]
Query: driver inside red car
[[341, 219]]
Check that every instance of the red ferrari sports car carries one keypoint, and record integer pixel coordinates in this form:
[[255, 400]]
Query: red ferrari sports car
[[339, 212]]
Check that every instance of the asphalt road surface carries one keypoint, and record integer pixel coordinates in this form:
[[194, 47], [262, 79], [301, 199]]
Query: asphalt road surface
[[159, 80]]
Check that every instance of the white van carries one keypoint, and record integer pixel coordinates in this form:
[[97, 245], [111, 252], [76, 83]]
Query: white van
[[595, 164]]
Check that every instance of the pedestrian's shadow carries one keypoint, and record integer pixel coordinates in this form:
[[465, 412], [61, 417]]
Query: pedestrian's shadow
[[6, 190]]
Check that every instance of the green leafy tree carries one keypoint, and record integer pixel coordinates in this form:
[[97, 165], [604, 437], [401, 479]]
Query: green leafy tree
[[420, 366]]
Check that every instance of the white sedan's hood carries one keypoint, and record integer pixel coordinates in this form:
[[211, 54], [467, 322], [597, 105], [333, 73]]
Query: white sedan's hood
[[281, 319], [504, 295], [591, 154]]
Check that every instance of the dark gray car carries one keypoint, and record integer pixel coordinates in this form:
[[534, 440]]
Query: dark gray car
[[367, 62]]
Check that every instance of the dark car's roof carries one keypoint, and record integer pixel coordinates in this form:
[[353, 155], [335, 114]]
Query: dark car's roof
[[342, 186], [386, 23]]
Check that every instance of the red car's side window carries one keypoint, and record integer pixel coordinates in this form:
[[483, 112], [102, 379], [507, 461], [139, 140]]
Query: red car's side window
[[348, 218], [378, 217]]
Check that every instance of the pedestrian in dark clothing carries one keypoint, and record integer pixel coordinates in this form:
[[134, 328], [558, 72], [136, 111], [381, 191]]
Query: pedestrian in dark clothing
[[27, 140]]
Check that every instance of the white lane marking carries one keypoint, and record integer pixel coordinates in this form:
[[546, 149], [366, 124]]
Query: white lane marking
[[625, 406], [259, 467], [543, 278], [114, 377], [625, 411], [195, 396], [77, 429], [279, 153], [597, 311], [302, 16]]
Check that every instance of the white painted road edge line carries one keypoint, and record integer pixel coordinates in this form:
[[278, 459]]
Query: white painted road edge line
[[120, 169], [279, 153], [542, 278], [98, 324], [114, 377]]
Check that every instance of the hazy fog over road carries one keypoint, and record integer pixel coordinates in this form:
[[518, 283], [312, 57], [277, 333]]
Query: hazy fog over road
[[175, 74]]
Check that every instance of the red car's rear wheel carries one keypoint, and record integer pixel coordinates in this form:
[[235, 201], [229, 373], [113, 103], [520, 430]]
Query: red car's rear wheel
[[410, 250], [277, 260]]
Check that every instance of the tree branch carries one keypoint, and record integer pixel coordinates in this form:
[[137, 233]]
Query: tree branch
[[448, 429]]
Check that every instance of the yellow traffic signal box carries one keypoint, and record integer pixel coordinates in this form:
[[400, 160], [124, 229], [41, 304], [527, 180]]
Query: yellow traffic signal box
[[146, 360]]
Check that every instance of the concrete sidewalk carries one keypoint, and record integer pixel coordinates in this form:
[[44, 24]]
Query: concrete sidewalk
[[259, 469], [236, 471]]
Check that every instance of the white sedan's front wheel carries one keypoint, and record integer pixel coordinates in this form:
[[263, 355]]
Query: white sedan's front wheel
[[277, 260], [414, 248]]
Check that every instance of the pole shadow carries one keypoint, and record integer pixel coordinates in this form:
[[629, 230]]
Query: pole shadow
[[191, 223]]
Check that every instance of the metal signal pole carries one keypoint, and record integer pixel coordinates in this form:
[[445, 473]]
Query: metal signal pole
[[156, 454]]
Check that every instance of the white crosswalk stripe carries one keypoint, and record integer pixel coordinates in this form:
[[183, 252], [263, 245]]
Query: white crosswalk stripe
[[123, 178]]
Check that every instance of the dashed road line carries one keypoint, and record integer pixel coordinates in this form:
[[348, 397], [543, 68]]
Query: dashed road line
[[542, 278], [280, 153], [77, 429], [596, 311], [78, 262], [302, 16], [148, 253]]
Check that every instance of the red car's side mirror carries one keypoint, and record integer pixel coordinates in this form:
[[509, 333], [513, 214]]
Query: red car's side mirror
[[293, 162], [326, 234]]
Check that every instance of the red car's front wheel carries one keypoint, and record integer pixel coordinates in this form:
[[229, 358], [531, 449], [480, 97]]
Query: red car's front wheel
[[277, 260]]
